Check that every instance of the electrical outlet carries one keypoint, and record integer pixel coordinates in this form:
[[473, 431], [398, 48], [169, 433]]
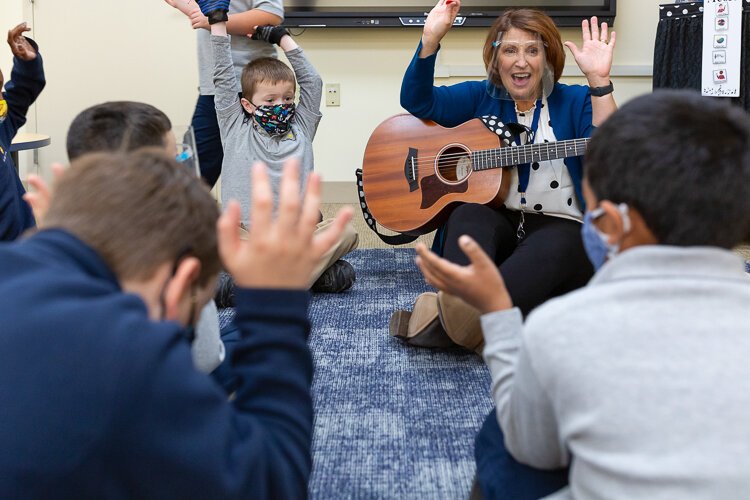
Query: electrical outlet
[[333, 94]]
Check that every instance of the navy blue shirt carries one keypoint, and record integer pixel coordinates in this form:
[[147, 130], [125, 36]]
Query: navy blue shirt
[[25, 85], [97, 401]]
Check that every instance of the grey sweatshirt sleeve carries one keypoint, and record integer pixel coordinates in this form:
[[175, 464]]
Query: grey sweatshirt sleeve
[[226, 100], [310, 92], [524, 411]]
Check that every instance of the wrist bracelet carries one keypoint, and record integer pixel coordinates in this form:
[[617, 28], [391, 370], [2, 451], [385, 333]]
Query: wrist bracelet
[[217, 16], [602, 91]]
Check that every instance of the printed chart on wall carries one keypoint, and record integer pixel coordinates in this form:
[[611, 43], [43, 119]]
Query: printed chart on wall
[[722, 47]]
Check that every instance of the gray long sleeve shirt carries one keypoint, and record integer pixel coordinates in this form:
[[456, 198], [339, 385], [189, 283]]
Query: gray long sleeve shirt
[[637, 381], [244, 143]]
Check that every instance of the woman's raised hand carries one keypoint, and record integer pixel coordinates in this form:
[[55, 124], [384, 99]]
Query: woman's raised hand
[[438, 22], [595, 55]]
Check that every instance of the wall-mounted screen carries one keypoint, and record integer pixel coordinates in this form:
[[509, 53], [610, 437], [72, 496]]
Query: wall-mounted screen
[[390, 13]]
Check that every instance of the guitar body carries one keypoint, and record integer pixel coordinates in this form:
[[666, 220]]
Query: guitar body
[[415, 172]]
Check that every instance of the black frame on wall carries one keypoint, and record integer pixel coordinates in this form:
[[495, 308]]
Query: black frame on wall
[[371, 14]]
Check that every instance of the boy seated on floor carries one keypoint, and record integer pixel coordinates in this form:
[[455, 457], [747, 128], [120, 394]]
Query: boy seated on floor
[[98, 392], [24, 86], [633, 382], [127, 126], [264, 124]]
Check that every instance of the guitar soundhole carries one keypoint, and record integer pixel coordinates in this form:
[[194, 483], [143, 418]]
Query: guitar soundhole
[[454, 164]]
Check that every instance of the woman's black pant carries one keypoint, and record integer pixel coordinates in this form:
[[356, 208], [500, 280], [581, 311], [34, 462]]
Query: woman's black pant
[[548, 261]]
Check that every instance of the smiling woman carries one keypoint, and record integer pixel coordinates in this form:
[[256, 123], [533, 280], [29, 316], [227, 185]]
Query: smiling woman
[[539, 220], [533, 233]]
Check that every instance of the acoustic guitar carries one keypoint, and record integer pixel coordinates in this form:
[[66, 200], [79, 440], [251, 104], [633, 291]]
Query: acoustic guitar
[[414, 171]]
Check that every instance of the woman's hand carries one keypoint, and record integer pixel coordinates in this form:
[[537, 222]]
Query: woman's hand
[[595, 55], [479, 284], [438, 22]]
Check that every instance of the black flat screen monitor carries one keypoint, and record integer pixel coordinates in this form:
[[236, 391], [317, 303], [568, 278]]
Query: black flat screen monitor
[[393, 13]]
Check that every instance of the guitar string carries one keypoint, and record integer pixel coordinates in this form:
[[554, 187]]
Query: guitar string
[[511, 151], [505, 154]]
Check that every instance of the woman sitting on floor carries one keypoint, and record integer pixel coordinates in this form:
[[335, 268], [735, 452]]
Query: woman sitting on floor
[[534, 238]]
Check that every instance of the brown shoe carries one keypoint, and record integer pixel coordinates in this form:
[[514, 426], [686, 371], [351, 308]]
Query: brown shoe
[[461, 322], [420, 327]]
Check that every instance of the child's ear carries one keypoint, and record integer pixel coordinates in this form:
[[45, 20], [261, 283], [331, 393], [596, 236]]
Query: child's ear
[[612, 224], [179, 288], [247, 105]]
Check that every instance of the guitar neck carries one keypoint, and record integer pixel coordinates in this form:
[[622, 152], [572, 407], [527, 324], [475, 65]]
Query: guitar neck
[[518, 155]]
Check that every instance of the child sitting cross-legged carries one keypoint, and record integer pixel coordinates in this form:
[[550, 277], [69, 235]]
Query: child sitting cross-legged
[[265, 124]]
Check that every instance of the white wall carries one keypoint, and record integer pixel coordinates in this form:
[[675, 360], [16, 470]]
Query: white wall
[[144, 50], [11, 13]]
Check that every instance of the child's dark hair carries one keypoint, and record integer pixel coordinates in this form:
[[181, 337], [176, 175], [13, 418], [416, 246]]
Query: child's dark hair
[[264, 69], [117, 126], [132, 208], [681, 160]]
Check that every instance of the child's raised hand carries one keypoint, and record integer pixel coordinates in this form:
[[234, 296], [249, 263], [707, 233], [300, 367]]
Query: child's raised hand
[[478, 284], [215, 10], [39, 199], [270, 34], [19, 45], [281, 252]]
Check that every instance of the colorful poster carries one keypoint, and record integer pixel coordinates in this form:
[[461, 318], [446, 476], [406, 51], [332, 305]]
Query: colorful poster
[[722, 47]]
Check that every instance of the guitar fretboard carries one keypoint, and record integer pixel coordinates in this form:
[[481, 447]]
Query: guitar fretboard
[[517, 155]]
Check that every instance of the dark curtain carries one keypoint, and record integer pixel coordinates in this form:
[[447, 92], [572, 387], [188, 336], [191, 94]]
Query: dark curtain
[[678, 52]]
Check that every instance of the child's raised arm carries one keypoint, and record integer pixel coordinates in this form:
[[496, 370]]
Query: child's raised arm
[[225, 79]]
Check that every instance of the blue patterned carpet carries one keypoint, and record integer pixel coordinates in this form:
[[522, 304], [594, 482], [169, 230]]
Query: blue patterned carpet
[[392, 421]]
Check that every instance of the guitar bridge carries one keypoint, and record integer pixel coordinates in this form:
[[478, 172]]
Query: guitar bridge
[[411, 169]]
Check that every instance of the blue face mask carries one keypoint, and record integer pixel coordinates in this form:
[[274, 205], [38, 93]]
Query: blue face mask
[[598, 249]]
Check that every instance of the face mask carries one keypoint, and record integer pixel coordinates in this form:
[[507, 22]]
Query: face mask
[[598, 249], [274, 118], [3, 110]]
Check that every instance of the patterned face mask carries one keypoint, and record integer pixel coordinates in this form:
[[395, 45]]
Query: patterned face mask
[[274, 118], [3, 110]]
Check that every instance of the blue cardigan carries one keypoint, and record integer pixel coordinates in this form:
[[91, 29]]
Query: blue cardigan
[[97, 401], [569, 107], [25, 85]]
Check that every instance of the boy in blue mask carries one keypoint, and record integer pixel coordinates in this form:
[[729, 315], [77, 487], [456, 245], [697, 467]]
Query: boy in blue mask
[[26, 83], [265, 124], [632, 381]]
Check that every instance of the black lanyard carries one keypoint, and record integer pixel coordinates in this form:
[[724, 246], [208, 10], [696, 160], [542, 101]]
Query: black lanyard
[[524, 169]]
